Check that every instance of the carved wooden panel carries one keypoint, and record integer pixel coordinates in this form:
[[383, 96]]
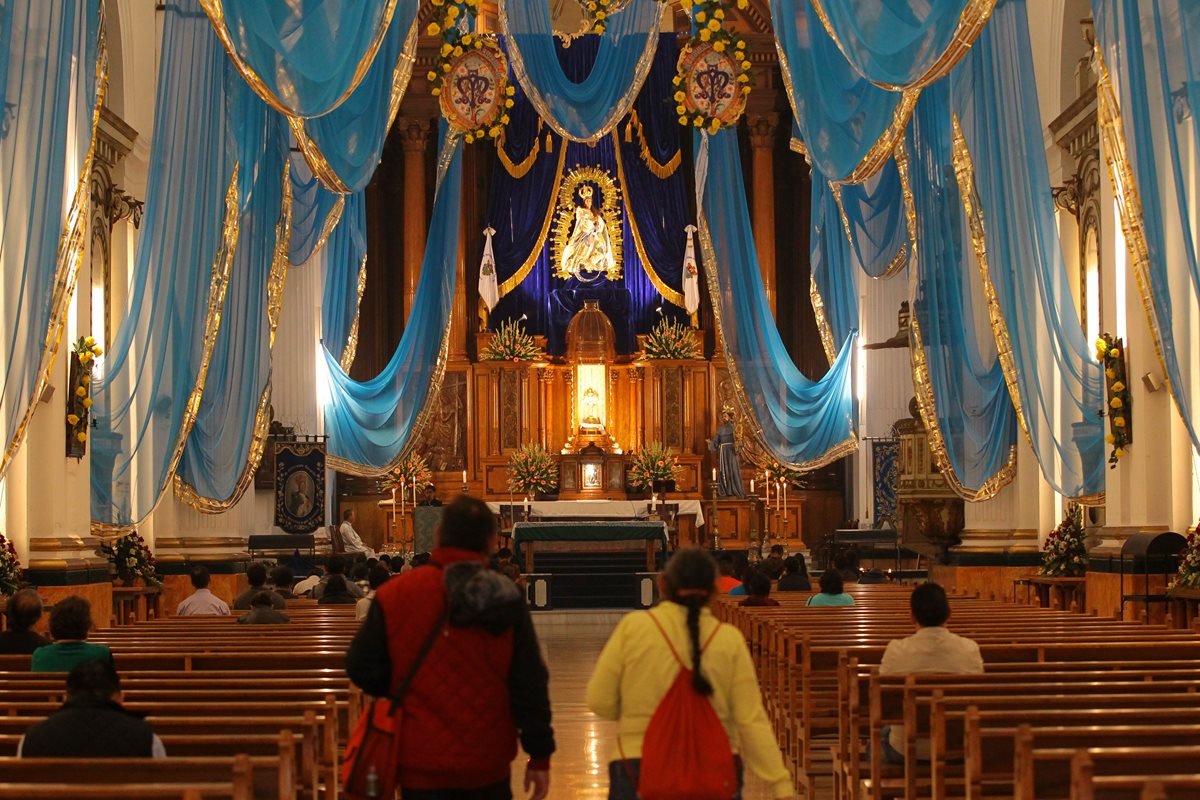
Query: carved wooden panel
[[672, 407], [510, 409], [444, 440]]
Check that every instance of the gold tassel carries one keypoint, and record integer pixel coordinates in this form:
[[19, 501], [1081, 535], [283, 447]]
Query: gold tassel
[[549, 144], [659, 170], [629, 128]]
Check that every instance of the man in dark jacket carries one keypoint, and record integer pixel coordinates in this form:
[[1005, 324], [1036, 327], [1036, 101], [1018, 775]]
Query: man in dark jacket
[[256, 576], [92, 723], [482, 681], [23, 611]]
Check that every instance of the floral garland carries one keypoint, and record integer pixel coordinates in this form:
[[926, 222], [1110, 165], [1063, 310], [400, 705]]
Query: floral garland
[[1188, 575], [129, 557], [511, 343], [532, 470], [412, 471], [597, 12], [669, 339], [774, 472], [1065, 553], [1118, 400], [455, 43], [710, 30], [10, 567], [79, 404], [651, 464]]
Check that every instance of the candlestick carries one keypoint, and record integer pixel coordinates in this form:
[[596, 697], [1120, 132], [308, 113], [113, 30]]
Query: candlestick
[[752, 486], [785, 508], [653, 502], [414, 488], [714, 474], [394, 527], [465, 487]]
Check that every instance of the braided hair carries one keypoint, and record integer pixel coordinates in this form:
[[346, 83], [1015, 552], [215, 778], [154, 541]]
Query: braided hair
[[690, 578]]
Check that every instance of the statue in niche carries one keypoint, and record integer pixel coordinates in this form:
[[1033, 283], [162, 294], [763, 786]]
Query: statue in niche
[[591, 408], [589, 253], [729, 470]]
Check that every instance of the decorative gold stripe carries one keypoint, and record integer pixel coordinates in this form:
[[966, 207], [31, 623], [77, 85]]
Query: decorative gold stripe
[[922, 386], [108, 530], [619, 109], [185, 492], [67, 258], [518, 170], [898, 262], [521, 274], [970, 23], [669, 294], [331, 221], [881, 151], [818, 306], [216, 15], [317, 163], [657, 168], [351, 348]]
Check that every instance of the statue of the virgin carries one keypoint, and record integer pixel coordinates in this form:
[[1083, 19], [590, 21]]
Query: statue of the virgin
[[589, 251]]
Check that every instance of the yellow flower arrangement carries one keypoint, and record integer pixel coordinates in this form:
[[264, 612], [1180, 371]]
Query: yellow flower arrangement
[[1117, 397]]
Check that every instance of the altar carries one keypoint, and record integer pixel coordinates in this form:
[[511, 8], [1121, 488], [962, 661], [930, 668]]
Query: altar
[[584, 510]]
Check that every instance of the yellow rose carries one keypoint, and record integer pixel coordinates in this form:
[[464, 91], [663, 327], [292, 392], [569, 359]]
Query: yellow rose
[[481, 133], [432, 76], [88, 341], [445, 67], [467, 39], [677, 80], [1101, 345], [494, 131], [97, 350], [80, 391], [714, 127], [87, 402], [697, 122], [719, 14], [1119, 422], [510, 91], [1118, 387], [435, 91], [739, 54], [743, 78], [679, 97], [591, 6], [458, 51], [433, 29], [81, 436], [1114, 353], [682, 120], [470, 138], [746, 65], [72, 420], [601, 15], [85, 357], [508, 103], [741, 45], [452, 12], [1110, 373], [1118, 453], [743, 4], [1110, 438], [701, 16], [1116, 402], [718, 45], [439, 2], [686, 3], [714, 25], [504, 119], [746, 90], [680, 109], [446, 49], [705, 35], [85, 379]]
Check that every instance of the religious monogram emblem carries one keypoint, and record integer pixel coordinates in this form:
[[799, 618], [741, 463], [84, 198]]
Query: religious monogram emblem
[[710, 84], [587, 227], [473, 95]]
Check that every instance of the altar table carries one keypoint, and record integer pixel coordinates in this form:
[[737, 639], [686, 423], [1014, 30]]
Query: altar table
[[602, 509], [531, 532]]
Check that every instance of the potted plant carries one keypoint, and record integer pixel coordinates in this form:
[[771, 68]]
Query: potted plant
[[129, 559], [653, 468], [532, 471], [1065, 554]]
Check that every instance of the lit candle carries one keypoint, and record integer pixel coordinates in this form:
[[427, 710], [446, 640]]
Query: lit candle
[[401, 495], [714, 474], [464, 476], [414, 487], [785, 501], [752, 486], [526, 505], [778, 495], [653, 502], [767, 483]]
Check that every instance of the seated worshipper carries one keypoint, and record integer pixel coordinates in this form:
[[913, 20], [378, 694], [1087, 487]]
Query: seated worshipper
[[744, 574], [256, 574], [833, 591], [725, 581], [350, 538], [306, 586], [337, 593], [263, 611], [795, 576], [773, 564], [336, 567], [420, 560], [430, 498], [202, 602], [932, 648], [359, 576], [758, 590], [282, 579], [386, 560], [377, 577], [70, 624], [846, 563], [23, 611], [92, 723]]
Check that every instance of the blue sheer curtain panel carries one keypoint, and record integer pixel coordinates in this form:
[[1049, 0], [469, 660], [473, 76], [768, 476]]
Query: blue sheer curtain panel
[[833, 291], [848, 125], [795, 420], [345, 263], [957, 377], [903, 43], [874, 220], [315, 213], [343, 147], [226, 442], [1149, 101], [146, 401], [52, 68], [583, 110], [1053, 376], [370, 424], [302, 57]]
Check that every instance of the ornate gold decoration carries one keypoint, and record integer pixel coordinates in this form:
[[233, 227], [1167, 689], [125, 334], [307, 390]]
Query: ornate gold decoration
[[67, 258], [669, 294], [521, 169], [712, 83], [521, 274], [331, 221], [970, 23], [609, 210], [351, 348], [216, 15], [619, 109], [818, 306], [657, 168], [474, 95], [321, 168]]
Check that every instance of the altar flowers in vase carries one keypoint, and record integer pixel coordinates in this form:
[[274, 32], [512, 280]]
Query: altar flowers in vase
[[409, 474], [1065, 554], [653, 464], [129, 558], [10, 568], [1188, 575], [532, 471]]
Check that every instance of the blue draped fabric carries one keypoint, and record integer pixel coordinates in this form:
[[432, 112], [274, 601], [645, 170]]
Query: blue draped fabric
[[904, 42], [46, 127], [371, 423], [801, 422], [344, 146], [344, 259], [1057, 384], [304, 56], [315, 212], [841, 116], [836, 300], [206, 132], [585, 108], [961, 388], [226, 440], [1151, 50], [873, 212], [658, 207]]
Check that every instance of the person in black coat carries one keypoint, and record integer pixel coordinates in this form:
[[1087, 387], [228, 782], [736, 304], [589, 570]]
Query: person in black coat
[[337, 592], [23, 611], [795, 576]]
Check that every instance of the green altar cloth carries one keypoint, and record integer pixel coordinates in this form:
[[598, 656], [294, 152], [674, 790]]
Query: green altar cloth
[[598, 531]]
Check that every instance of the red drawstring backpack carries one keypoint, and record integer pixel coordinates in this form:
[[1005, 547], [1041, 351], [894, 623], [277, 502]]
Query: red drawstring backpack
[[685, 752]]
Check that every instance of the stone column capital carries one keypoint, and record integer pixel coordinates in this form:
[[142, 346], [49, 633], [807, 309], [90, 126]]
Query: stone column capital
[[414, 133], [762, 127]]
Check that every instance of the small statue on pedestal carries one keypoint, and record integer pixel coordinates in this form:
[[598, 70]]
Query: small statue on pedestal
[[729, 470]]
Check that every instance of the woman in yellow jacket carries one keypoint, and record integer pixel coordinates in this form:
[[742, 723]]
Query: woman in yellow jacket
[[637, 668]]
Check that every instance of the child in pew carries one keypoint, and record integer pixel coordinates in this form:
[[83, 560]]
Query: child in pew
[[70, 624], [758, 590], [931, 649], [92, 723]]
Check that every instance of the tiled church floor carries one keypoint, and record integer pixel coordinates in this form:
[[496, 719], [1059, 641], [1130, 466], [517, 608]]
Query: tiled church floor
[[580, 767]]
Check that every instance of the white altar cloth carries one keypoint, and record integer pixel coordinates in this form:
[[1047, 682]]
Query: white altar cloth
[[601, 509]]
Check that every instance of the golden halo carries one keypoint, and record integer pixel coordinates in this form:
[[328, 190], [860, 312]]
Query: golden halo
[[609, 207]]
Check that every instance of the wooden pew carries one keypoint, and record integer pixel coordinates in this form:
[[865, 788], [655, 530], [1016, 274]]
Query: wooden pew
[[1141, 765], [212, 777]]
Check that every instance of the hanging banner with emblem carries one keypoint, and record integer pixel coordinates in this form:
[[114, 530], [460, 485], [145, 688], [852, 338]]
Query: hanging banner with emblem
[[299, 486]]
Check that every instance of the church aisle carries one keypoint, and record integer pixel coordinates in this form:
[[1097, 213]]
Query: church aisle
[[572, 643]]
